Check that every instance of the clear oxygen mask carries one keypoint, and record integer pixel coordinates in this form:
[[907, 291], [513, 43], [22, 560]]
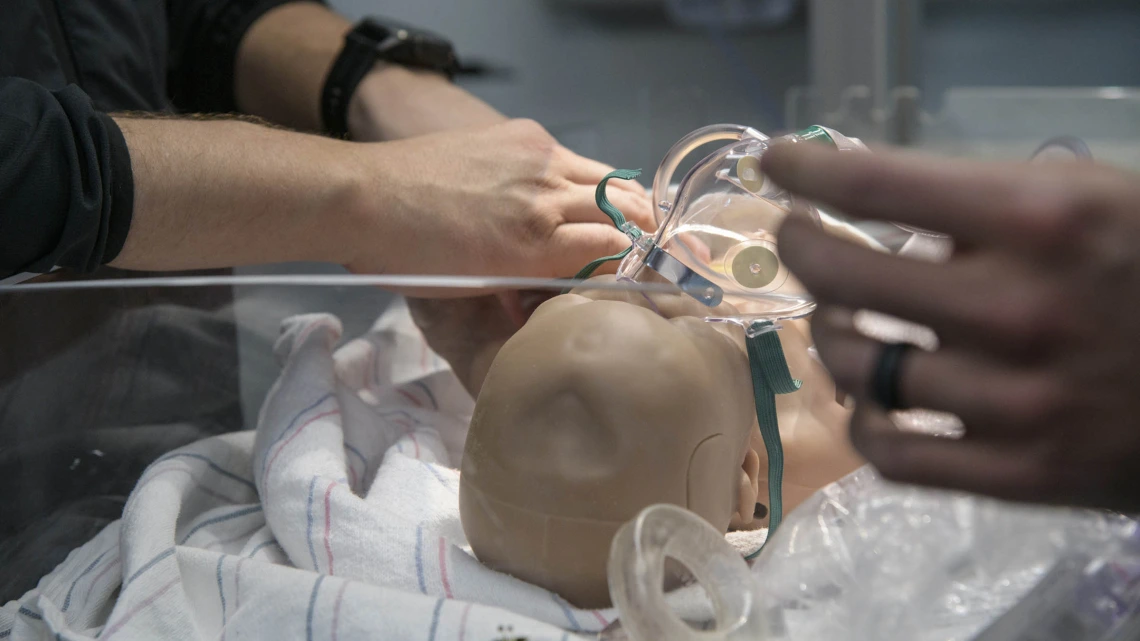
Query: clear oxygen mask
[[716, 236]]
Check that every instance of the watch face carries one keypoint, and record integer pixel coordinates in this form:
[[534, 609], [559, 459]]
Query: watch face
[[425, 54], [408, 46], [373, 30], [379, 32]]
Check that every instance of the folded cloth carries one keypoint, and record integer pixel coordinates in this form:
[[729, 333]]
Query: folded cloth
[[338, 516], [747, 541]]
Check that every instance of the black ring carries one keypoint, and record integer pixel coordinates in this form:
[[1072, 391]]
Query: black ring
[[885, 381]]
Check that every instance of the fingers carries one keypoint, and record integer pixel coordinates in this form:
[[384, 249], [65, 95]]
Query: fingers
[[692, 246], [852, 276], [574, 245], [519, 305], [513, 307], [585, 171], [1007, 470], [578, 205], [974, 202], [993, 400], [983, 300]]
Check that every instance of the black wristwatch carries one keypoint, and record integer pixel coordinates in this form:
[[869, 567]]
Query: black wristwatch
[[374, 40]]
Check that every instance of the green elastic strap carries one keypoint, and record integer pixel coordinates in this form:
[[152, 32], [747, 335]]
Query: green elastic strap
[[770, 376], [589, 270], [604, 203], [618, 219]]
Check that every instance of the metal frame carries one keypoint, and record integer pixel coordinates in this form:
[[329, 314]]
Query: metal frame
[[868, 43]]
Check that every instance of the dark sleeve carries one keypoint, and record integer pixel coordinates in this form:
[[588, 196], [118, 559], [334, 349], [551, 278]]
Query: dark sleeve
[[66, 187], [204, 37]]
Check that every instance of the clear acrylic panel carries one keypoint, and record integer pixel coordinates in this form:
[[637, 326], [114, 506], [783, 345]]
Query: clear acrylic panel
[[215, 455], [218, 456]]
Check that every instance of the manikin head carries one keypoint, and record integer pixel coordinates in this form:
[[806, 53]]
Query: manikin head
[[607, 402]]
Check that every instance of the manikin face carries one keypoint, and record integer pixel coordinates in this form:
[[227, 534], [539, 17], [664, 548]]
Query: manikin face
[[607, 402], [602, 382], [813, 420], [593, 411]]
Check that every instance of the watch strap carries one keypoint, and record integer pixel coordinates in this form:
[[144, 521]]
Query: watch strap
[[356, 59]]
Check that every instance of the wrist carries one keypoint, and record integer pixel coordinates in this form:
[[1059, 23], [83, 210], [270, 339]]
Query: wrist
[[348, 202], [395, 102], [378, 107]]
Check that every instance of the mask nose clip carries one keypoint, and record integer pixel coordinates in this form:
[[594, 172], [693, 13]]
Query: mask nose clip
[[690, 282]]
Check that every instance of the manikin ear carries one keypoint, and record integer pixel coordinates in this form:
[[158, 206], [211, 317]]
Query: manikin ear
[[748, 492]]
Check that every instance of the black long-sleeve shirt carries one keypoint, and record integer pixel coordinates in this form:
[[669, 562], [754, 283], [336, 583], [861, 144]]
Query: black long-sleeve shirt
[[126, 373], [66, 189]]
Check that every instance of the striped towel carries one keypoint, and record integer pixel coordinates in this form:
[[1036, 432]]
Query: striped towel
[[336, 517]]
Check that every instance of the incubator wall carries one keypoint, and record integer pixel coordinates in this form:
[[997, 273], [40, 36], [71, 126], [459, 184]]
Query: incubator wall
[[206, 456], [209, 456]]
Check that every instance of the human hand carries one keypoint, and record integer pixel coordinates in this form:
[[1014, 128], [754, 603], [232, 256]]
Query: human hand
[[394, 102], [466, 332], [1036, 311], [505, 200]]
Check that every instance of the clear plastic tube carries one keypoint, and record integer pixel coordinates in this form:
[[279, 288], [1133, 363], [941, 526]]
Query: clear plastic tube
[[637, 576]]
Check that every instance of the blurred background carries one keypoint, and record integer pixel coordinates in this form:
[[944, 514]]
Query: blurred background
[[621, 80]]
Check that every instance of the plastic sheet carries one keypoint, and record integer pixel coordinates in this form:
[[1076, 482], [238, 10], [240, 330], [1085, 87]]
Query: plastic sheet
[[867, 559]]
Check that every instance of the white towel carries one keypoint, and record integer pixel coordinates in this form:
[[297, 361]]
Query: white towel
[[337, 517]]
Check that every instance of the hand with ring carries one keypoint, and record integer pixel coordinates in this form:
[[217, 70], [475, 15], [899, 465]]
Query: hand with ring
[[1037, 312]]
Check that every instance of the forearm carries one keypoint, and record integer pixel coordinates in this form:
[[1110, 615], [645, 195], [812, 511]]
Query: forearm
[[282, 63], [286, 55], [226, 193]]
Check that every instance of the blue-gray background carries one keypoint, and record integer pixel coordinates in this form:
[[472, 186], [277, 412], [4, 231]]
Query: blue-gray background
[[623, 84]]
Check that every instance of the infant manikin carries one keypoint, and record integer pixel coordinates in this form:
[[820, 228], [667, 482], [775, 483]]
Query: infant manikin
[[607, 402]]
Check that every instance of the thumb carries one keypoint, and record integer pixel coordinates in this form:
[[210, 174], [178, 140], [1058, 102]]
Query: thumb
[[575, 245], [512, 305]]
